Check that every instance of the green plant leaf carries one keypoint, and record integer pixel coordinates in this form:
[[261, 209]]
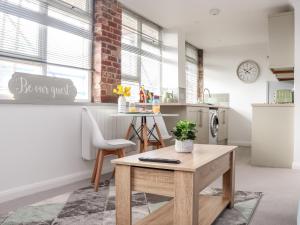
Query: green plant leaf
[[184, 130]]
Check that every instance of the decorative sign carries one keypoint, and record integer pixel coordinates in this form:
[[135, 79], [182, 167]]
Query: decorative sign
[[38, 88]]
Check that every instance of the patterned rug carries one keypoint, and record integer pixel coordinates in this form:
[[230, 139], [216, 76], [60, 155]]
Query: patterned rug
[[86, 207]]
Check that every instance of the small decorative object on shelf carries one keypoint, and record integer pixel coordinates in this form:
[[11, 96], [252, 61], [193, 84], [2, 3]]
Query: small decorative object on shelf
[[155, 104], [185, 133], [132, 107], [150, 97], [142, 94], [122, 92]]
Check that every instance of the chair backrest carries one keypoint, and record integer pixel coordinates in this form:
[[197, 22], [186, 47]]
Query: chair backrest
[[161, 125], [97, 136]]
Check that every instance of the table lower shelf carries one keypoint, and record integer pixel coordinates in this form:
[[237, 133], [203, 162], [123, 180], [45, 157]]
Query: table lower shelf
[[209, 209]]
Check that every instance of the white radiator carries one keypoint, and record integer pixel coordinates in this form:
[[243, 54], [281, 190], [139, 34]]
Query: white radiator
[[111, 128]]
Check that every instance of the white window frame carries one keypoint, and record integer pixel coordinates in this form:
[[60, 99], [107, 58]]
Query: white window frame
[[40, 60], [195, 62], [140, 40]]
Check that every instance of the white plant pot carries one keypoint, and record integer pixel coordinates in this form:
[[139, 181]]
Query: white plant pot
[[184, 146], [121, 104]]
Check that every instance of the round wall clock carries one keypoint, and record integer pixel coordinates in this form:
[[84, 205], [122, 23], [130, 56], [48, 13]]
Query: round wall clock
[[248, 71]]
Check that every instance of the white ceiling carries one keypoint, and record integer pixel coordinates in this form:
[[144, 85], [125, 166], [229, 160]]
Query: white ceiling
[[240, 21]]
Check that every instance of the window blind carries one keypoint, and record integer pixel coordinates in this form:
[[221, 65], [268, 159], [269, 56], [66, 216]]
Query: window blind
[[141, 53], [46, 32], [46, 37], [191, 70]]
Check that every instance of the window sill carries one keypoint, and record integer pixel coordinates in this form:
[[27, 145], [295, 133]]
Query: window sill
[[14, 102]]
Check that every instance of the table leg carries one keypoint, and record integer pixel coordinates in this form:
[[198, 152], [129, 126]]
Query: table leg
[[162, 143], [123, 195], [142, 136], [228, 181], [145, 134], [186, 201], [128, 132]]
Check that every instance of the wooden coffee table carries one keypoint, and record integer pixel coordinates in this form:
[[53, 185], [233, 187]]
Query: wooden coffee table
[[182, 181]]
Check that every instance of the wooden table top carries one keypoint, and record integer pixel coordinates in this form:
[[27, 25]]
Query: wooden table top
[[202, 154]]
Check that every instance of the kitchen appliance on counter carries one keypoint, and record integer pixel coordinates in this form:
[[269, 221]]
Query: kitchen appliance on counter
[[280, 92], [213, 126], [284, 96], [168, 97]]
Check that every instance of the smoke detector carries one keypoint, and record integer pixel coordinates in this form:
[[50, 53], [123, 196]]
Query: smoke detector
[[214, 11]]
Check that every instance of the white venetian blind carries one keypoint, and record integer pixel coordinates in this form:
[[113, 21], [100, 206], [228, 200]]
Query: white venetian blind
[[141, 53], [46, 37], [56, 32], [191, 70]]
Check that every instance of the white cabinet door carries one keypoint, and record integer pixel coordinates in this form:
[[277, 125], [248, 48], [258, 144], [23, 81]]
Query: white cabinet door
[[199, 116], [203, 127], [272, 142], [281, 40], [223, 124]]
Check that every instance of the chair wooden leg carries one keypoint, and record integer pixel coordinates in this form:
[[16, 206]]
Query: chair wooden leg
[[99, 169], [120, 153], [141, 147], [95, 167]]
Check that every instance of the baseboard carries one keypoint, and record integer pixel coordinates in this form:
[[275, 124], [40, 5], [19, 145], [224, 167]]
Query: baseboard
[[240, 143], [25, 190], [296, 165]]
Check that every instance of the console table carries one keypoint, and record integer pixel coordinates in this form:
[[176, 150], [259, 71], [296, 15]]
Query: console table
[[182, 181]]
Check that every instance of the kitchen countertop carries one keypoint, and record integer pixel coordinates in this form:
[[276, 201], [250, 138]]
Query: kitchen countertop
[[188, 104], [272, 105], [8, 102]]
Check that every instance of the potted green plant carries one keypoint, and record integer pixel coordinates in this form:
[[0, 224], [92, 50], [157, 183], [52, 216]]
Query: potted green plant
[[185, 133]]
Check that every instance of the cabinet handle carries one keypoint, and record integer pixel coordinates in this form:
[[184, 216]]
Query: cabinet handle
[[200, 118], [224, 117]]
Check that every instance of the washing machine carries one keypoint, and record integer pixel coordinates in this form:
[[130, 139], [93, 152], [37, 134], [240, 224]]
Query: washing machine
[[213, 126]]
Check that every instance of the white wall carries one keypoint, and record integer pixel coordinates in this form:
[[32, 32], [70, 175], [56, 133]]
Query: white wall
[[173, 67], [220, 66], [170, 59], [40, 148], [296, 163]]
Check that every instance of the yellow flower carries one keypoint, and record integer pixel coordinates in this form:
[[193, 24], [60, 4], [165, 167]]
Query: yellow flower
[[127, 92], [120, 90]]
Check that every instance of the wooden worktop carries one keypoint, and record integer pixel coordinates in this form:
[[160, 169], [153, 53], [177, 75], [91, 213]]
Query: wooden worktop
[[187, 104], [272, 105], [202, 154]]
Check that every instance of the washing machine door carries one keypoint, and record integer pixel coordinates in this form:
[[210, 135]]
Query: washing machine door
[[214, 125]]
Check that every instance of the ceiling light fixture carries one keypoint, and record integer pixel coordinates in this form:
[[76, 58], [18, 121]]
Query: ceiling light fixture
[[214, 11]]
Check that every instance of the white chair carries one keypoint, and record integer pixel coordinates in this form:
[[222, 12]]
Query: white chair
[[105, 147], [161, 133]]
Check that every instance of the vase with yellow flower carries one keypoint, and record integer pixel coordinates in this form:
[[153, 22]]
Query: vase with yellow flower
[[123, 92]]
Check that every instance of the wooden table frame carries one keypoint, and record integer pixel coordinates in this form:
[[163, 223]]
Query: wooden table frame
[[188, 207], [144, 133]]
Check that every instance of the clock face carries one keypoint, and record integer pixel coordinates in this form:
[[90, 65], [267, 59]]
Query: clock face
[[248, 71]]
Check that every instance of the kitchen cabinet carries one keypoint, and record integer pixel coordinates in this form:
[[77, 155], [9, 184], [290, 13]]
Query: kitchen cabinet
[[197, 114], [281, 45], [223, 126], [200, 116], [272, 142]]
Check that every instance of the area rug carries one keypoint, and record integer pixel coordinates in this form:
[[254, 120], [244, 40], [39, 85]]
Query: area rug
[[86, 207]]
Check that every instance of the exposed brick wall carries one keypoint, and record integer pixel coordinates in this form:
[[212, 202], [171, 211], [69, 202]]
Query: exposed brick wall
[[200, 73], [107, 50]]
